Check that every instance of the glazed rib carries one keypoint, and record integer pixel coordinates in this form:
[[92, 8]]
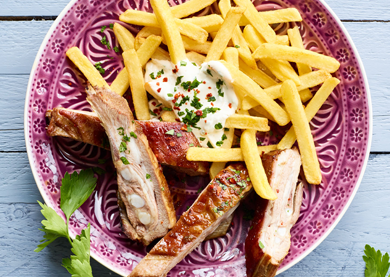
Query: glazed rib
[[216, 203], [141, 183], [268, 240], [169, 150]]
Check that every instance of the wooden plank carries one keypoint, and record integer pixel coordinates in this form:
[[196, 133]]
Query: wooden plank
[[32, 7], [12, 141], [346, 10], [20, 43]]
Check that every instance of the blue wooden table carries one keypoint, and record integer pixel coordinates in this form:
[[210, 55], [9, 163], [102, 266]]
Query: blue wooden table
[[23, 25]]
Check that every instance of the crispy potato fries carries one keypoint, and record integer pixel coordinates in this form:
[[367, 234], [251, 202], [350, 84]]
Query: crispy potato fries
[[268, 86]]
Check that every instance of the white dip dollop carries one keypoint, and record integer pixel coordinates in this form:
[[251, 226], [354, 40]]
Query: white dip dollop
[[202, 97]]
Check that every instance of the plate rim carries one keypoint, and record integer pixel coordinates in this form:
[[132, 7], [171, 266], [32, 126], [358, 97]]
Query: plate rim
[[339, 217]]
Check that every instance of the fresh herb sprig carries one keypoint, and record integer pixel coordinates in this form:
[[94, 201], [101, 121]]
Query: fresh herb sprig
[[377, 265], [75, 190]]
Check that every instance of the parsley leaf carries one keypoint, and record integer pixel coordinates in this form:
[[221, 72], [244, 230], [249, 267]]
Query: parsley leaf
[[79, 263], [54, 227], [178, 80], [75, 189], [377, 265], [183, 63]]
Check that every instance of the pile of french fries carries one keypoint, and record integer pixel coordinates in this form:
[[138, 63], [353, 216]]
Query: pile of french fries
[[259, 61]]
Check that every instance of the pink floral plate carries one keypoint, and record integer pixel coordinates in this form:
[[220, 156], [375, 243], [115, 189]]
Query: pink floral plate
[[342, 130]]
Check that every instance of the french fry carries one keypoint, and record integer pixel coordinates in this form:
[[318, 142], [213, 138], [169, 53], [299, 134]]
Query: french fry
[[125, 38], [296, 41], [192, 45], [311, 109], [230, 55], [252, 37], [147, 49], [222, 154], [310, 164], [148, 19], [190, 7], [121, 82], [281, 69], [237, 37], [159, 54], [196, 57], [170, 31], [297, 55], [282, 40], [215, 168], [257, 21], [260, 111], [136, 78], [309, 80], [253, 90], [145, 32], [239, 121], [86, 67], [210, 23], [277, 16], [305, 95], [224, 34], [254, 165], [261, 78], [168, 116]]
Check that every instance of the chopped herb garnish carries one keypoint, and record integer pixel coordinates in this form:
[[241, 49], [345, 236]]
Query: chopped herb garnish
[[179, 135], [126, 138], [152, 113], [195, 83], [105, 42], [191, 145], [170, 94], [209, 72], [124, 160], [189, 129], [261, 245], [116, 49], [209, 144], [202, 139], [111, 26], [196, 102], [178, 80], [152, 76], [219, 85], [159, 73], [212, 98], [147, 176], [181, 113], [237, 46], [271, 133], [170, 132], [100, 68], [259, 143], [121, 131], [183, 63], [248, 179], [166, 109], [188, 207], [134, 135], [226, 129], [162, 188], [218, 126], [219, 143], [122, 147], [182, 101], [194, 64], [224, 137], [103, 28]]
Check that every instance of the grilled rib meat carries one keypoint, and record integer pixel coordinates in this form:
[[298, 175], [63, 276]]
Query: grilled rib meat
[[216, 203], [141, 183], [169, 150], [268, 240]]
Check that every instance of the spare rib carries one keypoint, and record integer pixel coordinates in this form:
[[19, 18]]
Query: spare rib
[[216, 203], [141, 183], [169, 150], [268, 240]]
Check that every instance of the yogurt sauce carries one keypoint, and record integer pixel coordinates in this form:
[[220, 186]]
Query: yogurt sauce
[[202, 97]]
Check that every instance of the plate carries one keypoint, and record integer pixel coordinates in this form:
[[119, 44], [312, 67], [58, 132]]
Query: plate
[[342, 130]]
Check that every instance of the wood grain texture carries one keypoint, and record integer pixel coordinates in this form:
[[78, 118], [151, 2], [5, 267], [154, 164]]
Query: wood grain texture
[[345, 10]]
